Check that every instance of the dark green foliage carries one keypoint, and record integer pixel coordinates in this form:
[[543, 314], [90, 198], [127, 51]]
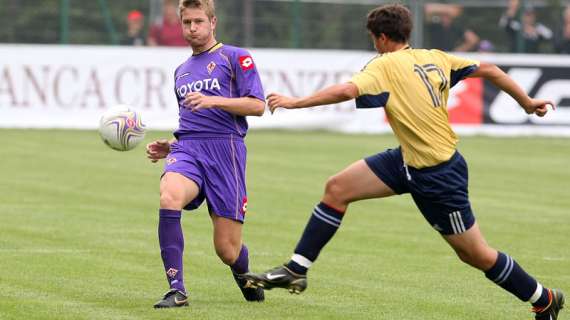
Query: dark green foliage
[[276, 24]]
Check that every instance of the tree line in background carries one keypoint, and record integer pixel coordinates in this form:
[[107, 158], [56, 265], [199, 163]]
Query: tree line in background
[[271, 24]]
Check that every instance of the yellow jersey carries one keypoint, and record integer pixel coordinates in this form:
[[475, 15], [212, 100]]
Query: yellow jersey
[[413, 86]]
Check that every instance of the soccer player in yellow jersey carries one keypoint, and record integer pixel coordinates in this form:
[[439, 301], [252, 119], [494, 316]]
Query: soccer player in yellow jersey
[[413, 86]]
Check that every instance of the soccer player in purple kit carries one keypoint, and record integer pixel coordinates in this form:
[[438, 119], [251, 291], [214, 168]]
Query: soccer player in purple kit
[[216, 88]]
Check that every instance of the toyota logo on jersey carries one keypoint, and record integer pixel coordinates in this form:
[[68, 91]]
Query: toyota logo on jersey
[[246, 63]]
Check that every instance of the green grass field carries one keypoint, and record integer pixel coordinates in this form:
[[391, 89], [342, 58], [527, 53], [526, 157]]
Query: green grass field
[[78, 233]]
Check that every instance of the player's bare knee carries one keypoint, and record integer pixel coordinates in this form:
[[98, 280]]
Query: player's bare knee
[[227, 253], [170, 201], [335, 191]]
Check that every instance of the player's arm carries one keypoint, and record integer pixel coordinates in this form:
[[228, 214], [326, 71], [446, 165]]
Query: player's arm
[[244, 106], [500, 79], [330, 95]]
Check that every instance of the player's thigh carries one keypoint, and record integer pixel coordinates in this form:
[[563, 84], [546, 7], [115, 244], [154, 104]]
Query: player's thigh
[[472, 248], [356, 182], [224, 179], [177, 190]]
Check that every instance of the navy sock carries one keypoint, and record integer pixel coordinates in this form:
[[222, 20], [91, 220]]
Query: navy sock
[[510, 276], [319, 230], [171, 242]]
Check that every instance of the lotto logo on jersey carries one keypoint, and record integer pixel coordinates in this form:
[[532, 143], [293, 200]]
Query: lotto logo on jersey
[[244, 205], [246, 63]]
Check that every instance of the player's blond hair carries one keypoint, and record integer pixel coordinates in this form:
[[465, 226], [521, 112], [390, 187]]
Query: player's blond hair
[[207, 5]]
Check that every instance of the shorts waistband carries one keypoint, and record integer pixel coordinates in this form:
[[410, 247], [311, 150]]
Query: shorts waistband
[[209, 136], [451, 160]]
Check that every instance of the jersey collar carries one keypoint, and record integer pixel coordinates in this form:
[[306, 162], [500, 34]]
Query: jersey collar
[[210, 50]]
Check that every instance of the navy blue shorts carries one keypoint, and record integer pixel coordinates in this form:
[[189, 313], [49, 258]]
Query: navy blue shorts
[[440, 192]]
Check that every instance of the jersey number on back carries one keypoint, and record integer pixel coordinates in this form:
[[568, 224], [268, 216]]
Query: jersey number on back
[[436, 94]]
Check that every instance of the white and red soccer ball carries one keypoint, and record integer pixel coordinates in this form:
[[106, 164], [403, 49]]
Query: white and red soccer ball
[[121, 128]]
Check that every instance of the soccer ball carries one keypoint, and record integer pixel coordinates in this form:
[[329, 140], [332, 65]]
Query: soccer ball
[[121, 128]]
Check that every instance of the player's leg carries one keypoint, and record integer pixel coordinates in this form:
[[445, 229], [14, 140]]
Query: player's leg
[[228, 242], [356, 182], [234, 253], [503, 270], [226, 196], [441, 195], [376, 177], [176, 191]]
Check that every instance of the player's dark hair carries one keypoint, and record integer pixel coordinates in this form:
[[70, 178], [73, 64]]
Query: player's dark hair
[[393, 20]]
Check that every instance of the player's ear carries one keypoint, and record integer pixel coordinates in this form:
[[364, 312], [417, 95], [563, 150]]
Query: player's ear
[[214, 22]]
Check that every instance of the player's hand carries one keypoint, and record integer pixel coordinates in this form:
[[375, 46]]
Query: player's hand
[[539, 107], [196, 101], [157, 150], [275, 100]]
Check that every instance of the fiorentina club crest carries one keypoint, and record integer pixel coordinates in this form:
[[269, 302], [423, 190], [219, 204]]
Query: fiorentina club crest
[[211, 66], [171, 272]]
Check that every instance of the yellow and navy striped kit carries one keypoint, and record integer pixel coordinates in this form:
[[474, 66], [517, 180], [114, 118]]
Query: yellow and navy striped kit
[[413, 86]]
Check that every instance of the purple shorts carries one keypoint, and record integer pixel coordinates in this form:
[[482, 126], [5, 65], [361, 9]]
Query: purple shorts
[[217, 165]]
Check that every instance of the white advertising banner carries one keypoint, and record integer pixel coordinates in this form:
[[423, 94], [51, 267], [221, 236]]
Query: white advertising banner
[[71, 86]]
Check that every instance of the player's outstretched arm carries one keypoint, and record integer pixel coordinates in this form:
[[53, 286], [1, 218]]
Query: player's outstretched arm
[[500, 79], [158, 149], [330, 95]]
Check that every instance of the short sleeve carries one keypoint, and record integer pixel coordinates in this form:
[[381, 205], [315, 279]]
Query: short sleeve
[[371, 83], [176, 78], [370, 79], [248, 81], [460, 67]]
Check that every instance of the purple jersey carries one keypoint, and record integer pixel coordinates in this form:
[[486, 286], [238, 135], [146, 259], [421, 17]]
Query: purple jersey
[[221, 71]]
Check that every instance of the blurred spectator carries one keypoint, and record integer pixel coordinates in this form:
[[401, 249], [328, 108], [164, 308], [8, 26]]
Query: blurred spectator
[[486, 46], [167, 31], [442, 31], [532, 33], [135, 29], [562, 42]]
